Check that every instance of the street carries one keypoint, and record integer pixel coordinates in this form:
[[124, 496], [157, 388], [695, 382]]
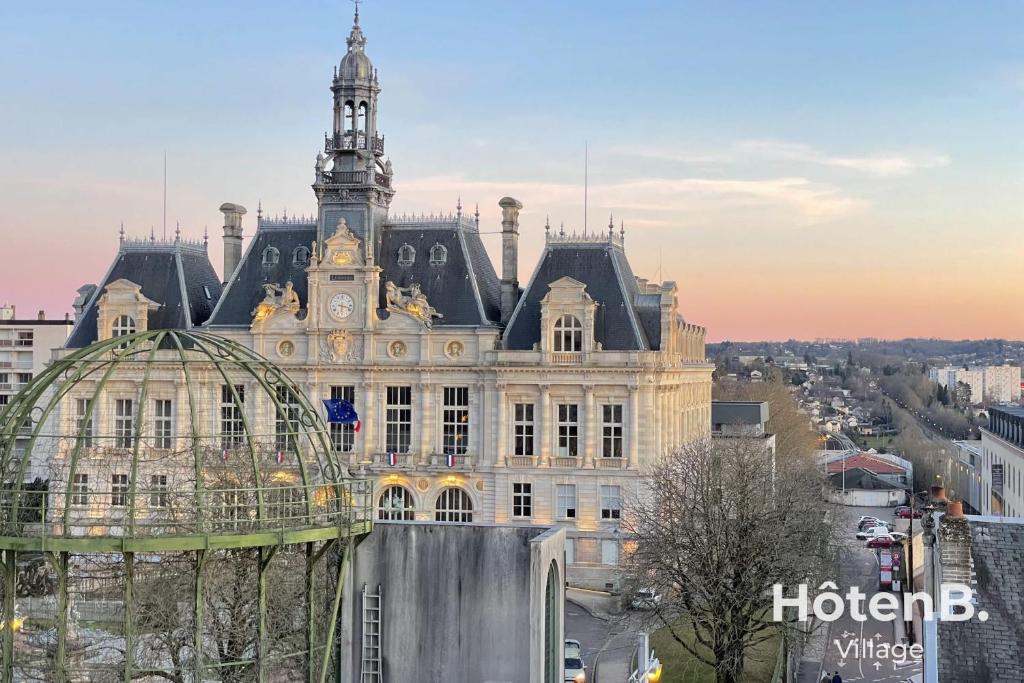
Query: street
[[861, 651], [608, 641]]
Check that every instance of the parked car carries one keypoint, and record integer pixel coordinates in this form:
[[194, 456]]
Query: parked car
[[871, 532], [573, 648], [867, 518], [905, 511], [881, 541], [868, 523], [575, 669], [646, 598]]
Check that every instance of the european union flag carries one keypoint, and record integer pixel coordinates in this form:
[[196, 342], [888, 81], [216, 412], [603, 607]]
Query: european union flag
[[340, 411]]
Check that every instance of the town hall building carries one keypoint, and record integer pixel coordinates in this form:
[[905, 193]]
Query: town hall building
[[483, 398]]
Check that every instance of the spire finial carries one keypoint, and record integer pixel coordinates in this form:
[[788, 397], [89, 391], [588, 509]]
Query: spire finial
[[206, 236], [355, 21], [120, 233], [622, 228], [259, 209], [611, 223], [547, 223], [152, 234], [476, 214], [561, 229], [177, 231], [458, 206]]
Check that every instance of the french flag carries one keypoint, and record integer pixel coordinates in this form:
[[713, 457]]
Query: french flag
[[393, 459], [449, 459], [280, 456]]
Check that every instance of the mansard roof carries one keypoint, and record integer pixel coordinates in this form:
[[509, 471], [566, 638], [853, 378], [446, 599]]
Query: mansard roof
[[176, 275], [625, 321], [245, 289], [465, 289]]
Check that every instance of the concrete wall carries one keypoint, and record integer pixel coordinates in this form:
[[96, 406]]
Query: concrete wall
[[867, 498], [460, 602]]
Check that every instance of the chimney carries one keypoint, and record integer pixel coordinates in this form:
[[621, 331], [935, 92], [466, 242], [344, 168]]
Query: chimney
[[955, 545], [509, 256], [41, 315], [938, 494], [232, 237]]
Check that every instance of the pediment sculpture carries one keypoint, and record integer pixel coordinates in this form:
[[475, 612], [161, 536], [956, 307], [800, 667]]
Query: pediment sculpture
[[411, 301], [277, 300], [339, 347]]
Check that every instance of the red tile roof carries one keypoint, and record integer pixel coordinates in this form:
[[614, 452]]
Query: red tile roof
[[868, 462]]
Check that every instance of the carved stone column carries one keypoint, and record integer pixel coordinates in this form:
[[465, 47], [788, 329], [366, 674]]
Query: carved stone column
[[544, 431], [634, 427], [501, 436], [591, 419], [369, 420], [427, 420]]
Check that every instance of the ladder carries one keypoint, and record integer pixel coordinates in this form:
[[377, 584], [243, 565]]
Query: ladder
[[370, 670]]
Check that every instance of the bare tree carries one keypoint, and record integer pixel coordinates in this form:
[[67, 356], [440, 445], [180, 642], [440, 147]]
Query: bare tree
[[717, 525], [792, 429]]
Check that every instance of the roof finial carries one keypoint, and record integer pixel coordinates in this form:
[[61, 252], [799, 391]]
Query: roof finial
[[177, 231], [152, 234], [476, 214], [561, 229], [206, 236], [458, 206], [259, 209], [284, 216], [547, 224], [120, 233], [611, 223], [622, 229], [355, 22]]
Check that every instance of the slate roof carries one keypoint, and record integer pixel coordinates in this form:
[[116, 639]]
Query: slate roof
[[245, 289], [176, 275], [465, 289], [865, 461], [624, 321], [989, 651]]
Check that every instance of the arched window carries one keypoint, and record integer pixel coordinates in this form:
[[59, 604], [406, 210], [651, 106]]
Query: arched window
[[406, 255], [453, 505], [271, 256], [396, 504], [300, 256], [350, 116], [552, 643], [362, 117], [438, 254], [123, 325], [568, 334]]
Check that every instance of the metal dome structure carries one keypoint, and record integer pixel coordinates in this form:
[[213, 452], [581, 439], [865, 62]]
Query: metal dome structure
[[170, 510]]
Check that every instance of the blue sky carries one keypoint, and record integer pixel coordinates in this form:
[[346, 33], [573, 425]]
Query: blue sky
[[850, 157]]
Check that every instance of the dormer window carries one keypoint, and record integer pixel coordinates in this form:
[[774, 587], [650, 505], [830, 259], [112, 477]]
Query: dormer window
[[271, 256], [568, 334], [122, 327], [438, 254], [406, 255], [300, 257]]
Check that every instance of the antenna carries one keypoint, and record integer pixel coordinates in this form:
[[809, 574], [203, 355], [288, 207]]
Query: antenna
[[586, 183], [165, 194]]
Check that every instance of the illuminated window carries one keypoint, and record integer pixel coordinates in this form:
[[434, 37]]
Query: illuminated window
[[84, 422], [456, 420], [123, 423], [343, 436], [232, 428], [286, 420], [568, 334], [80, 490], [163, 425], [396, 504], [453, 505]]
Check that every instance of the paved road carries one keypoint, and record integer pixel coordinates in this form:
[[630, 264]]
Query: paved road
[[608, 641], [860, 650]]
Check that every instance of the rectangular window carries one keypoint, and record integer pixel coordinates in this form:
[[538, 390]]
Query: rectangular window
[[24, 377], [611, 502], [568, 430], [566, 499], [522, 499], [163, 426], [123, 419], [25, 338], [232, 428], [522, 414], [609, 552], [158, 491], [83, 426], [611, 430], [343, 437], [398, 419], [80, 490], [456, 420], [119, 490], [286, 421]]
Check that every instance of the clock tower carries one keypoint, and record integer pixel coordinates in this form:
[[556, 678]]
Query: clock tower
[[353, 180]]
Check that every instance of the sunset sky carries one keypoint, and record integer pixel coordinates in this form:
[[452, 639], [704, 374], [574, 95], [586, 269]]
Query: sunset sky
[[799, 169]]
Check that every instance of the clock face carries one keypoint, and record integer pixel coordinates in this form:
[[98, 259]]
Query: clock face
[[341, 305]]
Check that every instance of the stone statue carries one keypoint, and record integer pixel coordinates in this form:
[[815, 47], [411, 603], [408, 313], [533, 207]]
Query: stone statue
[[411, 301], [321, 162], [290, 298], [276, 298]]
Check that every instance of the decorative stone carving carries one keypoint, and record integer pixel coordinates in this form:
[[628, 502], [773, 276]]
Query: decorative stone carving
[[285, 348], [411, 301], [276, 300], [397, 349], [340, 347], [454, 349]]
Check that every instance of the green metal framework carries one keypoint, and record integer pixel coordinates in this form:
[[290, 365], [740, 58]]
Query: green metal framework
[[218, 549]]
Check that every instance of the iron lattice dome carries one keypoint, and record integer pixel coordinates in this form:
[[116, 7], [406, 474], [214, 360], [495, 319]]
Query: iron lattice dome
[[171, 510]]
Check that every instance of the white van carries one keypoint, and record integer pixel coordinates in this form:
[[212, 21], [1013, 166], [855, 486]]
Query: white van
[[871, 532]]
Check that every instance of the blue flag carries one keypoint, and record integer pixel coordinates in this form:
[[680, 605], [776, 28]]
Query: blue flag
[[340, 411]]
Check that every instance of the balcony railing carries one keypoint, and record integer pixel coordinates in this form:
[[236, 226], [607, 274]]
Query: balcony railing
[[353, 140], [403, 461], [16, 364], [522, 461], [566, 357], [353, 178], [459, 462], [565, 461], [610, 463]]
